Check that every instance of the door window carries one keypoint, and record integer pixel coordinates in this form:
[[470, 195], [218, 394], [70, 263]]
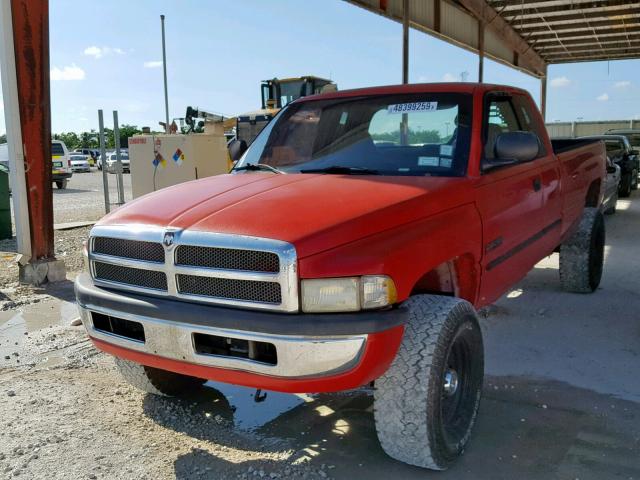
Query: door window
[[501, 119], [529, 120]]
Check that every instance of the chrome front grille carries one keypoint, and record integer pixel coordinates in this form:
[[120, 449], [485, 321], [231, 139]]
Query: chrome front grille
[[252, 291], [232, 270], [227, 258], [131, 276], [137, 250]]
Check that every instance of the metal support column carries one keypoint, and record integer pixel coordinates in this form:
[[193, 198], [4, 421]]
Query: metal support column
[[480, 51], [103, 160], [405, 41], [31, 44], [116, 139], [14, 133], [543, 95]]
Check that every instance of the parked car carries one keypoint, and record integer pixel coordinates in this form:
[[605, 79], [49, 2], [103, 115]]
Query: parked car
[[633, 135], [80, 163], [611, 185], [621, 153], [89, 152], [61, 164], [4, 155], [112, 162], [363, 263]]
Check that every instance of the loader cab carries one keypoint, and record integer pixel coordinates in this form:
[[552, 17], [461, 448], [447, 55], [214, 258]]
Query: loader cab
[[277, 93]]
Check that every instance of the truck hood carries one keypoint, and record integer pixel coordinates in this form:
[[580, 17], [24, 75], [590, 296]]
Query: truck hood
[[313, 212]]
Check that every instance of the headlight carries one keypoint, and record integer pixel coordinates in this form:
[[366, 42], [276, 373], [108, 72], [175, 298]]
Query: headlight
[[347, 294]]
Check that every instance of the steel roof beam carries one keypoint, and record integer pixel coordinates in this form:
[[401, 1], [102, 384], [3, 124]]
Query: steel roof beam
[[599, 26], [595, 51], [510, 5], [598, 8], [574, 19], [593, 58], [523, 52], [568, 38], [546, 49]]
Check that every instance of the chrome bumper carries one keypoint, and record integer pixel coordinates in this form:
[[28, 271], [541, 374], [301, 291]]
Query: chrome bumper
[[297, 356]]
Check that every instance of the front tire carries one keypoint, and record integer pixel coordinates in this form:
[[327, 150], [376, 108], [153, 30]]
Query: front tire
[[582, 255], [426, 403], [156, 381], [61, 184]]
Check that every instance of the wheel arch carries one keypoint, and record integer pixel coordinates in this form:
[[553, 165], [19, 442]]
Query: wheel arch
[[456, 277], [594, 194]]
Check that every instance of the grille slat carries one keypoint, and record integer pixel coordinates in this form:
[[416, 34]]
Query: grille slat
[[227, 258], [130, 276], [134, 249], [248, 290]]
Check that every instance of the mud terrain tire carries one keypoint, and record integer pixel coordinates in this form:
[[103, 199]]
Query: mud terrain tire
[[582, 255], [156, 381], [421, 419]]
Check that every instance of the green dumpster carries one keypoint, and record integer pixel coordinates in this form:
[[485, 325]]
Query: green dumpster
[[5, 205]]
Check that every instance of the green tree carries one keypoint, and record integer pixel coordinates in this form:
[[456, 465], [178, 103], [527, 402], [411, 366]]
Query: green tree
[[3, 138], [70, 139]]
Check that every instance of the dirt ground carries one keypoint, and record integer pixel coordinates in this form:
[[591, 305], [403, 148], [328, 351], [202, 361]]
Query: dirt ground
[[561, 396]]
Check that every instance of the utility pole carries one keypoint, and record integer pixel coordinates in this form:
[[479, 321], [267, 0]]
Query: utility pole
[[164, 67]]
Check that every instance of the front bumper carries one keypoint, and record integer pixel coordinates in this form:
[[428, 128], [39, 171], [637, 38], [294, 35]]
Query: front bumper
[[315, 353]]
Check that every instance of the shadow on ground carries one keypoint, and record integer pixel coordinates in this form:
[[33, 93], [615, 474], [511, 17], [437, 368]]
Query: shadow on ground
[[527, 429]]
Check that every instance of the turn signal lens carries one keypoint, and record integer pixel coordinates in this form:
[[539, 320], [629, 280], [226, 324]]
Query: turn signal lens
[[377, 291], [330, 295], [85, 255]]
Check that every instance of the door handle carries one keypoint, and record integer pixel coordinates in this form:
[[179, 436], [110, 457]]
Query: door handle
[[537, 184]]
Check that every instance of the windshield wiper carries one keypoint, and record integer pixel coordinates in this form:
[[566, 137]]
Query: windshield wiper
[[254, 167], [340, 169]]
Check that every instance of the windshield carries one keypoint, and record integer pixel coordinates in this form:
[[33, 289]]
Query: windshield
[[409, 134], [76, 158]]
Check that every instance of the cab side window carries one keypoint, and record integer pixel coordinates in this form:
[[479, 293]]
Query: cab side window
[[529, 120], [501, 118]]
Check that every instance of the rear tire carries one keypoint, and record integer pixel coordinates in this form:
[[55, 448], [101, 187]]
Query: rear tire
[[582, 255], [61, 184], [426, 403], [156, 381], [625, 185]]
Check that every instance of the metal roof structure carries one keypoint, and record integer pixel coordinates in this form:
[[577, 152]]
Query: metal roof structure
[[525, 34]]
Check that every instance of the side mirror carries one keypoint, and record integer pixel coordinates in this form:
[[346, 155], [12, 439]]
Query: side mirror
[[513, 147], [611, 169], [236, 149]]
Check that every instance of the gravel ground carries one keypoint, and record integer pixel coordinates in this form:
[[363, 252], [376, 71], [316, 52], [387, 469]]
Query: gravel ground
[[83, 199]]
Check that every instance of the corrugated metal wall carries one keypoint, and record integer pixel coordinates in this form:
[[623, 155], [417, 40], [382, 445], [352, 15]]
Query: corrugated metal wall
[[579, 129]]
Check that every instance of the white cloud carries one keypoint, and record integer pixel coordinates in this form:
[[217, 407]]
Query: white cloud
[[560, 82], [622, 84], [449, 77], [98, 52], [72, 72], [603, 98], [153, 64]]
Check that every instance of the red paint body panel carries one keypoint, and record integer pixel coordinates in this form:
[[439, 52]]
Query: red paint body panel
[[378, 354], [472, 237]]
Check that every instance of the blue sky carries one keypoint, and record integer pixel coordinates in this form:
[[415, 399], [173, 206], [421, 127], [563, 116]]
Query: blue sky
[[107, 55]]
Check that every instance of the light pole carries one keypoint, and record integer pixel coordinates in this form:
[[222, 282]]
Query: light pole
[[164, 67]]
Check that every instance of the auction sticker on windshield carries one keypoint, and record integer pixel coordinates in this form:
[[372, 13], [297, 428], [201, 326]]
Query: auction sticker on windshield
[[412, 107]]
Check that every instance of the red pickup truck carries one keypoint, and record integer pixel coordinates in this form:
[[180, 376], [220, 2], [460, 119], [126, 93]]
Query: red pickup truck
[[352, 243]]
